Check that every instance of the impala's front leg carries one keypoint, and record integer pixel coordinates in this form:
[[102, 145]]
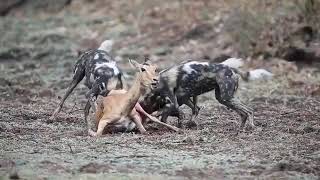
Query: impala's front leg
[[105, 121]]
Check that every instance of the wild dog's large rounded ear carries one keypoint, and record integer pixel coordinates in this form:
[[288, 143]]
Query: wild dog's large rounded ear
[[134, 63]]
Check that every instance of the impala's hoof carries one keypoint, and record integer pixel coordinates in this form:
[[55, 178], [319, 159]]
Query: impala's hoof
[[92, 133]]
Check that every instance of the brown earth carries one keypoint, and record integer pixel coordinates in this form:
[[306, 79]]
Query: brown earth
[[36, 58]]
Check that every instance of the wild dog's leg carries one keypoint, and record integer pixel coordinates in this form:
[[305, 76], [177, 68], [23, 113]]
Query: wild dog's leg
[[251, 117], [92, 96], [193, 105], [172, 108], [196, 107], [77, 77], [169, 110], [165, 113], [140, 109], [86, 114], [195, 112], [227, 86], [173, 99], [249, 112], [244, 111]]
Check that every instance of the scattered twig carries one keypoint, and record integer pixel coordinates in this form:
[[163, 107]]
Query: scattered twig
[[70, 148], [132, 156], [79, 109], [287, 113], [75, 103]]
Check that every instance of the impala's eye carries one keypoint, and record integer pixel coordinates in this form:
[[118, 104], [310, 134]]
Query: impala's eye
[[143, 69]]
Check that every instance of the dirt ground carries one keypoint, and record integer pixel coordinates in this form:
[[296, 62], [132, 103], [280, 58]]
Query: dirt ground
[[36, 60]]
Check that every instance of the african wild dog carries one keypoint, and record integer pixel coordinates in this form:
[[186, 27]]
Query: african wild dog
[[101, 76], [181, 84]]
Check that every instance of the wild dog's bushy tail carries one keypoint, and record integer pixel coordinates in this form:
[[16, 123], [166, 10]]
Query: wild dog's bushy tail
[[243, 74], [233, 62], [256, 74]]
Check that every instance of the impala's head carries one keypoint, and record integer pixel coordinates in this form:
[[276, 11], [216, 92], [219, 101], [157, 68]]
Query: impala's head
[[148, 73]]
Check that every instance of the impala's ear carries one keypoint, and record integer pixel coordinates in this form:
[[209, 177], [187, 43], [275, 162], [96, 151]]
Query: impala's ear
[[146, 60], [134, 63]]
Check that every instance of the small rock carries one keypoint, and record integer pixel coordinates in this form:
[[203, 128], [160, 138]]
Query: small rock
[[95, 168], [191, 124], [309, 129], [46, 93], [4, 82], [14, 175], [29, 66], [89, 168], [25, 100], [2, 128], [202, 139], [188, 140]]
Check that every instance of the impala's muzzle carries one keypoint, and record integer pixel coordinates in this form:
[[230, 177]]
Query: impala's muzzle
[[154, 83]]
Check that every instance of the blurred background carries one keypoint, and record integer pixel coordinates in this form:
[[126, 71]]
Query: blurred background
[[281, 36], [40, 41]]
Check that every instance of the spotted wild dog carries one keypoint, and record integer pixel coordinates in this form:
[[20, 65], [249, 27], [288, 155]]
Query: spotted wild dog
[[181, 84], [101, 75]]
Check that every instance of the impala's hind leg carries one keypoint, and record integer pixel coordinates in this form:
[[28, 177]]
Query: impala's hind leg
[[138, 121], [141, 110], [77, 77]]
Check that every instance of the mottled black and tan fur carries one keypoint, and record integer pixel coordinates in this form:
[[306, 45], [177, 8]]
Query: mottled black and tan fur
[[101, 75], [181, 84]]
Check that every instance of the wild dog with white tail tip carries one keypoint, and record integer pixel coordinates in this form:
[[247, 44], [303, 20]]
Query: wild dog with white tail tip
[[181, 84], [101, 75]]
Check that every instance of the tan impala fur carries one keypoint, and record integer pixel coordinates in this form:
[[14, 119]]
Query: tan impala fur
[[137, 108]]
